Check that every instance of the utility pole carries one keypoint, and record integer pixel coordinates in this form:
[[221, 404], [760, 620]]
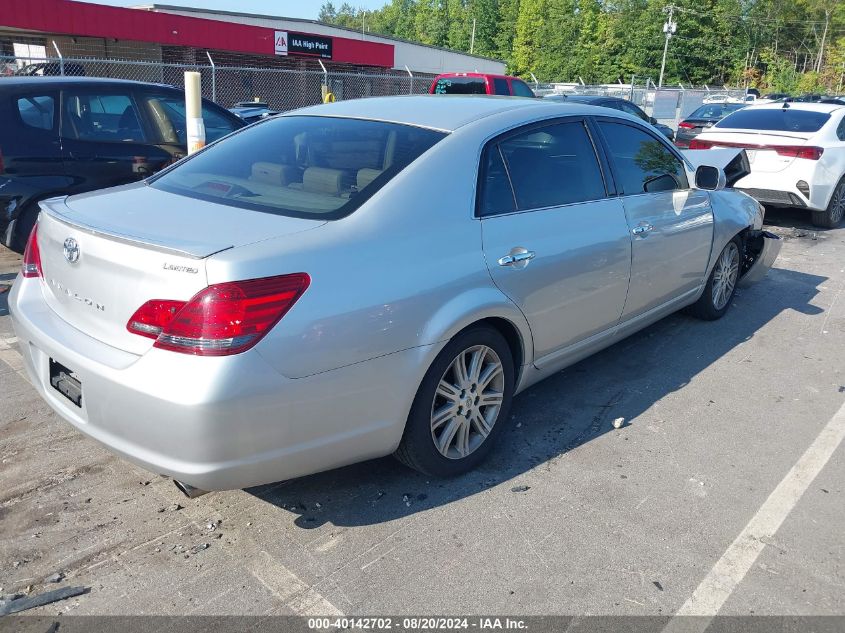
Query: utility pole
[[669, 28], [472, 39]]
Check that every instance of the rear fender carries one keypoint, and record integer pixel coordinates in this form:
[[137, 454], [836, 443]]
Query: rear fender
[[475, 305]]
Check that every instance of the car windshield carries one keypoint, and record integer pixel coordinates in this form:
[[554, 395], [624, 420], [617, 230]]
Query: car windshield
[[460, 86], [300, 166], [715, 110], [775, 119]]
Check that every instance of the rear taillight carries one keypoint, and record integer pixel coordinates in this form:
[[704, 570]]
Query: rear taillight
[[31, 265], [699, 144], [794, 151], [152, 317], [798, 151], [686, 126], [222, 319]]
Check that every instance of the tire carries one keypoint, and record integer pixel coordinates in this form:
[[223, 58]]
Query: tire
[[712, 305], [465, 430], [23, 227], [831, 217]]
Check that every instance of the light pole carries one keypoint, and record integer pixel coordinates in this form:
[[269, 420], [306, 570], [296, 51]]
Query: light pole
[[669, 28]]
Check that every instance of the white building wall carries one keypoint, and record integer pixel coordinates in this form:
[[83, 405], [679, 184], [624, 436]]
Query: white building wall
[[417, 57]]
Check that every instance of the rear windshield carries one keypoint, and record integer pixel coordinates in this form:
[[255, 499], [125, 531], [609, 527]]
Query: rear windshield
[[779, 119], [300, 166], [460, 86], [715, 110]]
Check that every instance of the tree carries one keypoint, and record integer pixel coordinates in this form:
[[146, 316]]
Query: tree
[[530, 24], [505, 30], [789, 45], [432, 22], [328, 13]]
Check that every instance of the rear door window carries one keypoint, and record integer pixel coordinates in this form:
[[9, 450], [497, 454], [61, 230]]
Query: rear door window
[[521, 89], [300, 166], [496, 191], [643, 164], [37, 111], [500, 86], [775, 119], [547, 167], [101, 117], [460, 86]]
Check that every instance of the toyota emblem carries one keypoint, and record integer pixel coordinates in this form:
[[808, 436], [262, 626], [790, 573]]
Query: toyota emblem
[[71, 250]]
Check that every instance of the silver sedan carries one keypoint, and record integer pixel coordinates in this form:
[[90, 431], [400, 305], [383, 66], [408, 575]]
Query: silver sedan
[[366, 278]]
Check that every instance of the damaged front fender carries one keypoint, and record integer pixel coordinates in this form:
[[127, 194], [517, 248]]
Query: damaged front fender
[[761, 250]]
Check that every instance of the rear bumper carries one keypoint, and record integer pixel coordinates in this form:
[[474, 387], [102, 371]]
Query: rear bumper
[[216, 423], [765, 259], [683, 138], [776, 198], [780, 188]]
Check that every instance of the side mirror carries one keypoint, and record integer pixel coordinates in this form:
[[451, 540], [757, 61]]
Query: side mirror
[[709, 178], [652, 120]]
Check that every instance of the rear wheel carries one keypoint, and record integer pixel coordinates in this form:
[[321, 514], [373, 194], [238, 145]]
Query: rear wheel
[[831, 217], [461, 405], [721, 284]]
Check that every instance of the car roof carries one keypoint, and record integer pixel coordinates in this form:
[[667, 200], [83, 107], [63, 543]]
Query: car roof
[[591, 98], [53, 81], [494, 75], [441, 112], [798, 105]]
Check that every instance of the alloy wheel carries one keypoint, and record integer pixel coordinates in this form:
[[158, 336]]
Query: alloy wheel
[[837, 204], [725, 275], [467, 402]]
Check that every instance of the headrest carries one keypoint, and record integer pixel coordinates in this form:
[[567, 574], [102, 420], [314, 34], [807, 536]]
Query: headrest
[[323, 180], [366, 176]]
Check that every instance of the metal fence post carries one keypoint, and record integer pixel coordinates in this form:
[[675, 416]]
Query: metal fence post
[[213, 77], [61, 59], [411, 75]]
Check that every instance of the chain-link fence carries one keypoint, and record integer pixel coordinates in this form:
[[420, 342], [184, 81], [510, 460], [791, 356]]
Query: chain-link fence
[[287, 88], [668, 105], [280, 88]]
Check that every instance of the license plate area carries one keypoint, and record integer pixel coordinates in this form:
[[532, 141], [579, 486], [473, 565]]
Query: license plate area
[[66, 382]]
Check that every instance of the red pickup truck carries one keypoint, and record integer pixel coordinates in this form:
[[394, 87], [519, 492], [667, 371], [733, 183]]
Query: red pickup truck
[[479, 84]]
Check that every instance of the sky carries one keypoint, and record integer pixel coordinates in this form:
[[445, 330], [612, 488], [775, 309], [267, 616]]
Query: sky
[[286, 8]]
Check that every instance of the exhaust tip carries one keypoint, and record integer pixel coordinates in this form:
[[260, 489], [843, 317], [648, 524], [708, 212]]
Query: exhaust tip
[[188, 490]]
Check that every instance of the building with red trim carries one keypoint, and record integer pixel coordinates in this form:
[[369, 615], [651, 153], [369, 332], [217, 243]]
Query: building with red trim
[[180, 34]]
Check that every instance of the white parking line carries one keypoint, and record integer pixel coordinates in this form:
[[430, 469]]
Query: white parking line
[[288, 587], [729, 571]]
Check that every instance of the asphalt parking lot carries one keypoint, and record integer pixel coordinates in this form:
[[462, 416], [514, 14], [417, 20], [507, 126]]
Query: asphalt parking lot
[[724, 490]]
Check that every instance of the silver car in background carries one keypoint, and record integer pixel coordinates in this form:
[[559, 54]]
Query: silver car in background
[[368, 277]]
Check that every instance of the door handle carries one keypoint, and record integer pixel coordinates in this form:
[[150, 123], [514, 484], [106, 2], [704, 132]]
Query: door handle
[[642, 230], [520, 257]]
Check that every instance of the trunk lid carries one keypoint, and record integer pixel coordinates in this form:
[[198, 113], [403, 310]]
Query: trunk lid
[[757, 144], [133, 244]]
